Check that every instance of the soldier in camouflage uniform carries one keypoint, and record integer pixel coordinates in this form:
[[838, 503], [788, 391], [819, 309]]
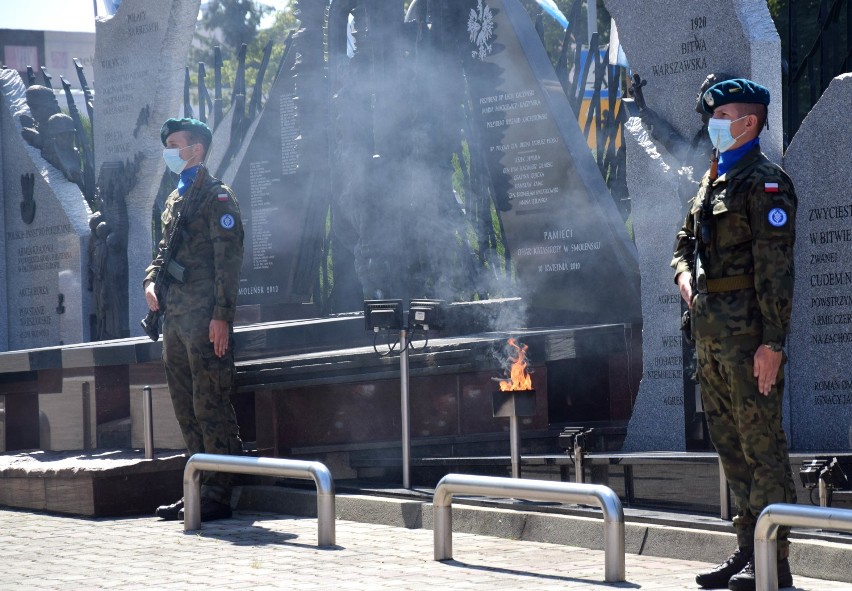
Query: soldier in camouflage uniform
[[733, 264], [199, 311]]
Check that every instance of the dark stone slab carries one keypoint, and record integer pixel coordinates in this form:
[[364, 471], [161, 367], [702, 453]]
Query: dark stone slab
[[272, 182], [569, 245]]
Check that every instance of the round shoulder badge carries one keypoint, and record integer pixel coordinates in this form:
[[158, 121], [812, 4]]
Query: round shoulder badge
[[227, 221], [777, 217]]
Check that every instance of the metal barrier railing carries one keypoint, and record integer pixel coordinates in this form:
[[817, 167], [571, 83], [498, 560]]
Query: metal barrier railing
[[148, 422], [303, 470], [536, 490], [766, 535]]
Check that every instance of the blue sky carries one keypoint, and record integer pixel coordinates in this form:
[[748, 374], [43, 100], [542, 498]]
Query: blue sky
[[63, 15]]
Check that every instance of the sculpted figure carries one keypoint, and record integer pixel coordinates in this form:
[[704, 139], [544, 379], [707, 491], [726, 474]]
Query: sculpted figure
[[59, 148], [43, 105]]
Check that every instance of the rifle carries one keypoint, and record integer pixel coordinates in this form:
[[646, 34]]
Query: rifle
[[703, 237], [170, 270]]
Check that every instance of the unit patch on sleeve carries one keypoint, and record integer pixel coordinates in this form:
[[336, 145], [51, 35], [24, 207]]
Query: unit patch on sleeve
[[777, 217], [227, 220]]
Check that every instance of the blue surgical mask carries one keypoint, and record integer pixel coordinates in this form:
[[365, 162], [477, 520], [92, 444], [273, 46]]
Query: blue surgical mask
[[719, 131], [173, 160]]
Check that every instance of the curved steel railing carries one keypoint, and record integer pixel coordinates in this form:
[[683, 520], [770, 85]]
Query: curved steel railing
[[537, 490], [766, 534], [315, 471]]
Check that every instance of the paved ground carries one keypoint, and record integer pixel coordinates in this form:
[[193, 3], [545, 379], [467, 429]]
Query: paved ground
[[266, 551]]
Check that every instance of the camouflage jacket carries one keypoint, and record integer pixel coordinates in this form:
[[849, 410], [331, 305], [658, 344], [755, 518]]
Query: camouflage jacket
[[211, 252], [751, 216]]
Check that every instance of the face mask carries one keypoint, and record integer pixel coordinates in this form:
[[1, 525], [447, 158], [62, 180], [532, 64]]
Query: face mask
[[173, 160], [719, 131]]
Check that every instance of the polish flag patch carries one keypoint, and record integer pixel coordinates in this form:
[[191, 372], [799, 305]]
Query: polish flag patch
[[770, 187], [225, 196]]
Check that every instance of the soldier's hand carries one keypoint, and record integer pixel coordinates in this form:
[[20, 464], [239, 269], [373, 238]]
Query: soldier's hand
[[151, 297], [219, 336], [684, 282], [766, 366]]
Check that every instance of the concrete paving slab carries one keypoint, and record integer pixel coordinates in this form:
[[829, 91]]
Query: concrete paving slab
[[257, 550]]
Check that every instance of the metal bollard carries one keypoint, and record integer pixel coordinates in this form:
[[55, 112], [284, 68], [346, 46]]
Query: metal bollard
[[148, 422], [405, 408], [260, 467], [579, 467], [87, 416], [540, 490], [825, 494], [766, 535]]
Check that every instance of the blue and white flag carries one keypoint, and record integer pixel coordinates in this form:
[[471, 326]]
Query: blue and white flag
[[351, 46], [549, 6], [104, 8], [616, 52]]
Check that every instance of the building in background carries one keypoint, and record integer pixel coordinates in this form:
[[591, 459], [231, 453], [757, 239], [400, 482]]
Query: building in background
[[49, 33]]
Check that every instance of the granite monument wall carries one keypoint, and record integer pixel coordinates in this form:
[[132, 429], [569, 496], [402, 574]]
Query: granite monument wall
[[819, 385], [45, 239], [140, 57], [674, 47]]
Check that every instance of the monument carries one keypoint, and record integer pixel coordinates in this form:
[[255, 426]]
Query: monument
[[673, 56], [657, 213], [45, 302], [570, 248], [819, 388], [139, 67], [326, 173], [280, 177], [674, 47]]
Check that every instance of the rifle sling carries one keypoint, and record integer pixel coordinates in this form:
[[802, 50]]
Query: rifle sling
[[189, 208]]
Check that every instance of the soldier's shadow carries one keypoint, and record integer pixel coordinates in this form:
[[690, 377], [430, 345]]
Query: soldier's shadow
[[540, 576], [239, 533]]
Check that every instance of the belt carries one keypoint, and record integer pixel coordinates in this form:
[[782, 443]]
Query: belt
[[732, 283]]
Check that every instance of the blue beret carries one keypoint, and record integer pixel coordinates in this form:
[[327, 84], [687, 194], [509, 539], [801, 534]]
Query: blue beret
[[738, 90], [186, 124]]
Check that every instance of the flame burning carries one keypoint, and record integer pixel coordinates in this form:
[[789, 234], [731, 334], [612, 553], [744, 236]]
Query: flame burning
[[519, 378]]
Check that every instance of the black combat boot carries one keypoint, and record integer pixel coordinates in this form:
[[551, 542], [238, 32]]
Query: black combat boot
[[745, 579], [211, 510], [718, 577], [169, 512]]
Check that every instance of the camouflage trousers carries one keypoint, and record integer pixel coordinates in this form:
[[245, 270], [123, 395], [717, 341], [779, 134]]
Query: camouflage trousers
[[201, 385], [746, 431]]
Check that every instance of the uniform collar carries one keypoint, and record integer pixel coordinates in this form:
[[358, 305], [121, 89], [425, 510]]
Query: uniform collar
[[187, 177], [744, 160], [728, 159]]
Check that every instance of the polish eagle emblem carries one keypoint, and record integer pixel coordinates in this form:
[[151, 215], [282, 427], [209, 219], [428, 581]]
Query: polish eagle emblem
[[480, 25]]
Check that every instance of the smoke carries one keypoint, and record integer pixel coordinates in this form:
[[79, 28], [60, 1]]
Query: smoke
[[407, 209]]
